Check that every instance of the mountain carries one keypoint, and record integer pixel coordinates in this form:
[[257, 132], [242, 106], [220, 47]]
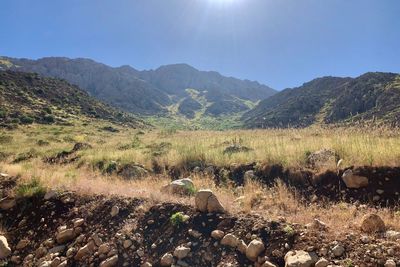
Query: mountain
[[28, 97], [372, 96], [151, 92]]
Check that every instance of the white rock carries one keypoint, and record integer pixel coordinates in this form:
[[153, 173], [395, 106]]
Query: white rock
[[300, 258], [322, 263], [254, 249], [230, 240], [181, 252], [390, 263], [354, 181], [217, 234], [114, 211], [5, 250], [167, 259], [112, 261]]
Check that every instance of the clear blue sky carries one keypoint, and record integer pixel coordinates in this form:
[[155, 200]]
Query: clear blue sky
[[281, 43]]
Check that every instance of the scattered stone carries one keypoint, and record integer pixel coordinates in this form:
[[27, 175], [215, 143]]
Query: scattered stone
[[5, 250], [167, 259], [78, 222], [181, 252], [322, 263], [127, 243], [268, 264], [50, 194], [146, 264], [22, 244], [242, 247], [112, 261], [354, 181], [300, 258], [206, 201], [230, 240], [114, 211], [390, 263], [392, 235], [180, 186], [372, 223], [104, 248], [254, 249], [65, 235], [217, 234], [338, 250], [84, 251], [7, 203]]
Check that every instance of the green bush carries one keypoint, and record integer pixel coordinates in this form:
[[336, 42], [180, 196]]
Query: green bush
[[48, 119], [31, 189], [178, 218], [26, 119]]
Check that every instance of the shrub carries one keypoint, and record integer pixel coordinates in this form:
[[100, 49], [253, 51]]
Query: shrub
[[48, 119], [3, 113], [26, 119], [178, 218], [288, 230], [31, 189]]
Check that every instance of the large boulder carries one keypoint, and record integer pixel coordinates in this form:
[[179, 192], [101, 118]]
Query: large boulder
[[300, 258], [183, 186], [354, 181], [372, 223], [322, 159], [254, 249], [5, 250], [132, 171], [206, 201]]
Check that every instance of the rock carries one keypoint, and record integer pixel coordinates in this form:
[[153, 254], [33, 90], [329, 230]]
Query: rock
[[132, 171], [84, 251], [167, 259], [112, 261], [392, 235], [194, 233], [181, 252], [5, 250], [214, 205], [249, 175], [7, 203], [182, 187], [57, 249], [217, 234], [338, 250], [354, 181], [322, 263], [322, 159], [45, 264], [127, 243], [104, 248], [22, 244], [242, 247], [50, 194], [114, 211], [146, 264], [300, 258], [230, 240], [206, 201], [268, 264], [372, 223], [65, 235], [78, 222], [254, 249], [390, 263]]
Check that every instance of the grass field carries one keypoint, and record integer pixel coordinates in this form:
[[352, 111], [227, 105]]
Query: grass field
[[288, 147], [29, 145]]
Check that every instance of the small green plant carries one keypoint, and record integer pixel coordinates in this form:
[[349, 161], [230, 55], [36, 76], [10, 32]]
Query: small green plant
[[178, 218], [31, 189], [349, 263], [26, 119], [191, 189], [289, 230]]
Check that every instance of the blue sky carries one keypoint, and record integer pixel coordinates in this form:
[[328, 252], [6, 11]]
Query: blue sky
[[282, 43]]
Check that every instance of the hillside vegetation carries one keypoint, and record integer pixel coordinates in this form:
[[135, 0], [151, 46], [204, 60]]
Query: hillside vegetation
[[331, 100], [26, 98]]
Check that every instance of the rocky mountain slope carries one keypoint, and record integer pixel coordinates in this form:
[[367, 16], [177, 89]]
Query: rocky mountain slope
[[149, 92], [28, 97], [372, 96]]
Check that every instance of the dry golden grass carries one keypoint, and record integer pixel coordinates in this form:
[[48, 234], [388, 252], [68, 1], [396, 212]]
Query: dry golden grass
[[272, 203], [285, 146]]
